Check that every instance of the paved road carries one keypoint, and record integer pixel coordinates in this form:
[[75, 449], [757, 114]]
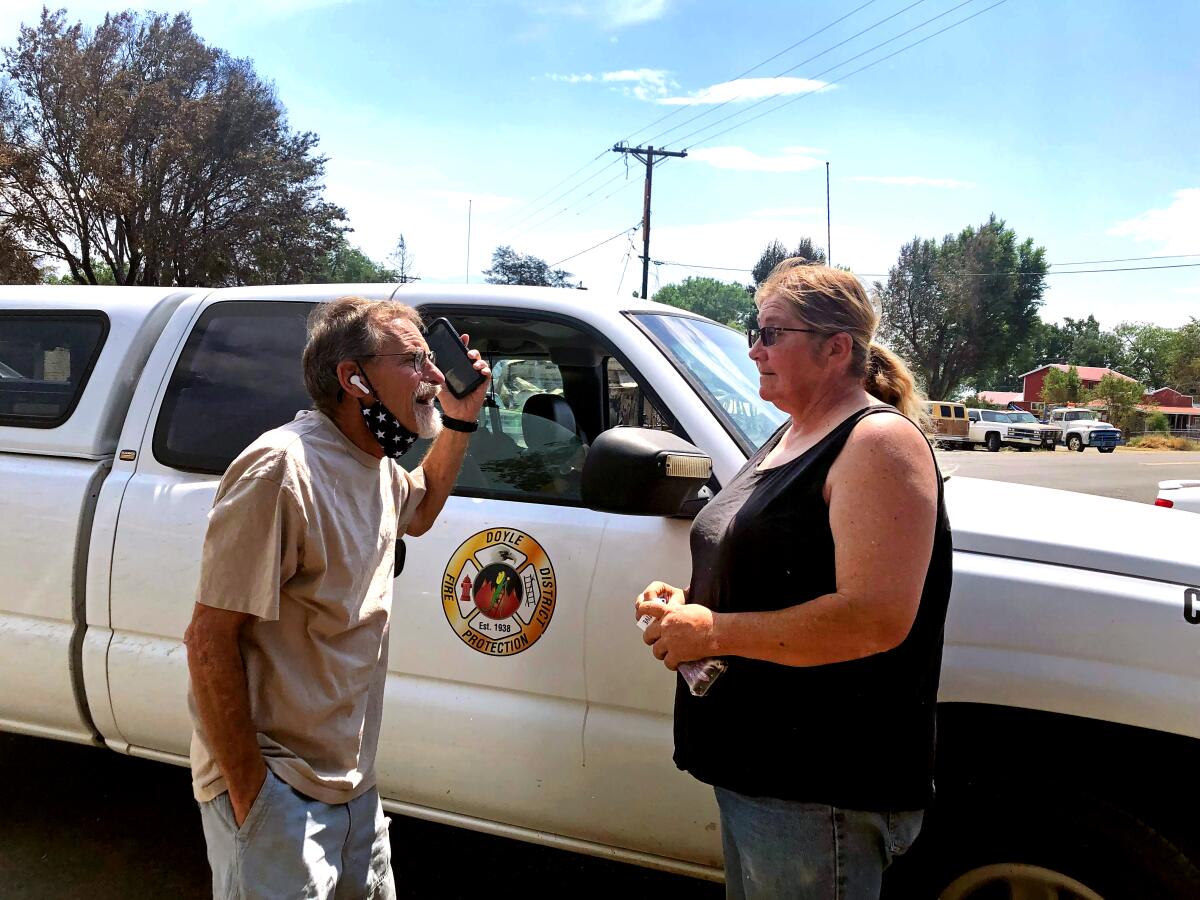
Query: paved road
[[80, 822], [1126, 474]]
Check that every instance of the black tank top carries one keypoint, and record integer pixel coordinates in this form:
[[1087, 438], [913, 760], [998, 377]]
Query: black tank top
[[856, 734]]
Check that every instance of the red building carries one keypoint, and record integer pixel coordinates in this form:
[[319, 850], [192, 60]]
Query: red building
[[1171, 397], [1033, 381]]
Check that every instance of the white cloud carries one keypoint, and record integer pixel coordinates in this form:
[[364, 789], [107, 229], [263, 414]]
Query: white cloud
[[748, 89], [611, 13], [913, 181], [1175, 229], [741, 159], [815, 151], [647, 83]]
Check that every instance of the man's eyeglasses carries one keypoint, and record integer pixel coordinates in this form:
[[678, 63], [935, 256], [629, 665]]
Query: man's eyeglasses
[[420, 358], [770, 334]]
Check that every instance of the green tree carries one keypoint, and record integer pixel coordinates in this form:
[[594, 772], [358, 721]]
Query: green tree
[[1184, 371], [101, 271], [775, 253], [1089, 345], [1061, 387], [720, 301], [168, 160], [964, 305], [1146, 351], [1121, 398], [1158, 421], [345, 264], [510, 267]]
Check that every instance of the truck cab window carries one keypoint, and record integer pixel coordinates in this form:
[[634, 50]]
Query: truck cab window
[[238, 376], [555, 388], [45, 362]]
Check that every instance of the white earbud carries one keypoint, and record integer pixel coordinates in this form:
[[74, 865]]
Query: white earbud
[[358, 383]]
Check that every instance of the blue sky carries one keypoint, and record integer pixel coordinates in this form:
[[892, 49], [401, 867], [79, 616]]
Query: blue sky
[[1077, 123]]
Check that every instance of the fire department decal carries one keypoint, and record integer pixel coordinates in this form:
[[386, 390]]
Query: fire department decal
[[498, 591]]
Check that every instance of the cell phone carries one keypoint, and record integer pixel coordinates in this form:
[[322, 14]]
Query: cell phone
[[446, 343]]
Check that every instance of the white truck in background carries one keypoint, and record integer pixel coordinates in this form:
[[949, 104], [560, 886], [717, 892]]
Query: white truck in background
[[1069, 715], [1082, 428]]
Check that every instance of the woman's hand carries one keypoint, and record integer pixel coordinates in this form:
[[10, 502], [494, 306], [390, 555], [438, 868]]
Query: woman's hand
[[679, 631]]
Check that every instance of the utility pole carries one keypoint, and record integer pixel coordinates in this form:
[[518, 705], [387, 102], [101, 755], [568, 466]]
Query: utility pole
[[828, 220], [646, 156]]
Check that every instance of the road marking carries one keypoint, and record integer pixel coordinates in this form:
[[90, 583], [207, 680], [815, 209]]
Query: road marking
[[1193, 463]]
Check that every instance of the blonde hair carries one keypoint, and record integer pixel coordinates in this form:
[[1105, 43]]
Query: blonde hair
[[832, 301], [345, 328]]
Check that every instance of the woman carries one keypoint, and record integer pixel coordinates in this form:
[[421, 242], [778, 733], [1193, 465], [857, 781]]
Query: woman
[[820, 573]]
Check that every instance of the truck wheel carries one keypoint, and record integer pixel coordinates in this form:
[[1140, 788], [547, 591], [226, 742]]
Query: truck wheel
[[1106, 449], [991, 842], [1075, 442], [993, 442]]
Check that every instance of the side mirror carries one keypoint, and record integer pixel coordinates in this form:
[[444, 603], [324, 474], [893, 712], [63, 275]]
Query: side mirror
[[644, 472]]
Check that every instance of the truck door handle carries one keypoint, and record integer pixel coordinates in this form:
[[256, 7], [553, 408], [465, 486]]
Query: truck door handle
[[401, 551]]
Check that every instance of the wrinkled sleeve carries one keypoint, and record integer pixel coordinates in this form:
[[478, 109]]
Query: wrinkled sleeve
[[252, 547], [411, 491]]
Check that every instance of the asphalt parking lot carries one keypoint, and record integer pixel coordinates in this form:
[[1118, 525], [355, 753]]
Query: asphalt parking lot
[[1126, 474], [84, 822]]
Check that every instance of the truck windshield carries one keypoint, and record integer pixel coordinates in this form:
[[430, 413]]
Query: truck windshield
[[1021, 417], [715, 360]]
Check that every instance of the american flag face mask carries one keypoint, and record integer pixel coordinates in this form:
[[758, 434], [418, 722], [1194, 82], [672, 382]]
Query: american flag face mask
[[391, 435]]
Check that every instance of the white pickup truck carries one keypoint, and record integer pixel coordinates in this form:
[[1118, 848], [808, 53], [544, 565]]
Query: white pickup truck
[[1008, 428], [1069, 722], [1082, 428]]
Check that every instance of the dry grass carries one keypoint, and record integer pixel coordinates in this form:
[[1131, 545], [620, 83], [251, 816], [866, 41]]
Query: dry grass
[[1163, 442]]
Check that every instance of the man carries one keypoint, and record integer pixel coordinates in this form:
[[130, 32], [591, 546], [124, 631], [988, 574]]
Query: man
[[288, 648]]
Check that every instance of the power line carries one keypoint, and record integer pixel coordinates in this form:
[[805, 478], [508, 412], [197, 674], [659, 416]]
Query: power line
[[841, 78], [706, 112], [567, 192], [555, 215], [665, 262], [628, 230], [852, 37], [755, 67]]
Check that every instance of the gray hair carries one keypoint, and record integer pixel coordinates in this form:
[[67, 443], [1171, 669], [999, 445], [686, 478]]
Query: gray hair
[[346, 328]]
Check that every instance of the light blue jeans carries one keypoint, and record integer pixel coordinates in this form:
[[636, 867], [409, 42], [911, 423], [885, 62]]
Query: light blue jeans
[[808, 851], [291, 846]]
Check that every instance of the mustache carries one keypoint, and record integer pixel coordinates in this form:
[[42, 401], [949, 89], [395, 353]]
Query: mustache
[[426, 392]]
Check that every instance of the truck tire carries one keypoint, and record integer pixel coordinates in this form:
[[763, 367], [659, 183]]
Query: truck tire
[[992, 441], [1075, 442], [1002, 841], [1106, 449]]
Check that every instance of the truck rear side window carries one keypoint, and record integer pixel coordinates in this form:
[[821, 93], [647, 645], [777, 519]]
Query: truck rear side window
[[46, 359], [238, 376]]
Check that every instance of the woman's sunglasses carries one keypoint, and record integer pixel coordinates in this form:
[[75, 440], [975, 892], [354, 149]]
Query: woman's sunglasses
[[770, 334]]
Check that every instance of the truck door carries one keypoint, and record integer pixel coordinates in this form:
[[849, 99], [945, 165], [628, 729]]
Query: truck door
[[235, 375]]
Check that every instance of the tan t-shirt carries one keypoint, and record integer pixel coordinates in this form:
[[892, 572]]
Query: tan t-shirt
[[302, 535]]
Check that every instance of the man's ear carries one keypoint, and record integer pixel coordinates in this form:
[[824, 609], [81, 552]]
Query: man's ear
[[347, 370]]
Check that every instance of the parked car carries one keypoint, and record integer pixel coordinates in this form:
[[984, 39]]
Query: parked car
[[1069, 708], [1183, 494], [948, 425], [1080, 428], [1026, 431]]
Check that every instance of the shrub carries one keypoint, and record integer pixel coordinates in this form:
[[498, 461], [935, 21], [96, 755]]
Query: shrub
[[1158, 422], [1163, 442]]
